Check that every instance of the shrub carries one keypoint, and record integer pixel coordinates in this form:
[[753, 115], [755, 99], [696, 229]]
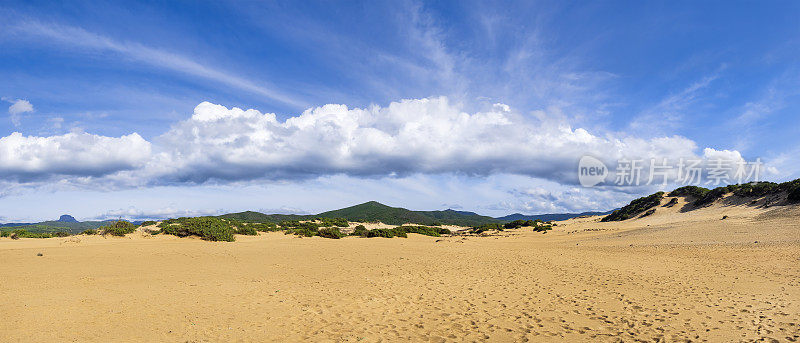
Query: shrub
[[147, 223], [246, 230], [387, 233], [332, 232], [118, 228], [22, 233], [711, 196], [340, 222], [542, 228], [520, 223], [756, 189], [61, 234], [89, 232], [5, 233], [360, 230], [689, 191], [207, 228], [422, 230], [635, 207], [487, 227], [264, 227]]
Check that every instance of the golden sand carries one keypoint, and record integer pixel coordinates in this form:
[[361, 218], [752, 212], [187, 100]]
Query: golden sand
[[670, 276]]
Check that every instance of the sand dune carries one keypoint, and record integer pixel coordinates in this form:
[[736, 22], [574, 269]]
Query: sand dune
[[671, 276]]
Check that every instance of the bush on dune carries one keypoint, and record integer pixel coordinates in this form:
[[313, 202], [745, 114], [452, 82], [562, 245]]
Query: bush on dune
[[360, 230], [246, 230], [207, 228], [331, 232], [421, 230], [635, 207], [118, 228]]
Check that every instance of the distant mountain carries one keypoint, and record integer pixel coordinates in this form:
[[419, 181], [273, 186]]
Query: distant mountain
[[375, 211], [67, 219], [549, 216], [66, 223]]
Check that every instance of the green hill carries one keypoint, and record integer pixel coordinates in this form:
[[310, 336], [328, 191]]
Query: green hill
[[257, 217], [375, 211], [460, 218], [56, 226]]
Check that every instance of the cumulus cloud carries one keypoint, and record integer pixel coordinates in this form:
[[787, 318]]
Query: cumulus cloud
[[133, 213], [429, 135], [77, 154], [416, 136], [17, 108]]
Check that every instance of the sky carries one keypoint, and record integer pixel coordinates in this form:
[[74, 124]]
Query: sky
[[144, 110]]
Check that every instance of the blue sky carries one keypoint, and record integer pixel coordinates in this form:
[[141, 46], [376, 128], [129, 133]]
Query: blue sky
[[105, 101]]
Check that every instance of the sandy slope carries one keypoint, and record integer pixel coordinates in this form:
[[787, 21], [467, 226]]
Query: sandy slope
[[670, 276]]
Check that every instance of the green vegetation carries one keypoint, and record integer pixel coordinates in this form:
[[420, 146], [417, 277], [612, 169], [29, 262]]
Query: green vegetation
[[486, 227], [118, 228], [421, 230], [147, 223], [520, 223], [246, 230], [325, 222], [256, 217], [373, 212], [635, 207], [207, 228], [264, 227], [386, 233], [542, 228], [89, 232], [17, 233], [331, 232], [689, 191], [359, 230]]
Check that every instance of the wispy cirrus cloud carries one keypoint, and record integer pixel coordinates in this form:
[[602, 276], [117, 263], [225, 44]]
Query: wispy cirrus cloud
[[78, 38]]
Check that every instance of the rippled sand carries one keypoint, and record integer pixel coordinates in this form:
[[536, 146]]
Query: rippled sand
[[671, 276]]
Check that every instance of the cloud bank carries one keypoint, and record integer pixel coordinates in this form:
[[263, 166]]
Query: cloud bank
[[427, 136]]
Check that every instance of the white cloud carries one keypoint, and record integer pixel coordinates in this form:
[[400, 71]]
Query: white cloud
[[17, 108], [73, 154], [429, 135], [133, 213], [417, 136]]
